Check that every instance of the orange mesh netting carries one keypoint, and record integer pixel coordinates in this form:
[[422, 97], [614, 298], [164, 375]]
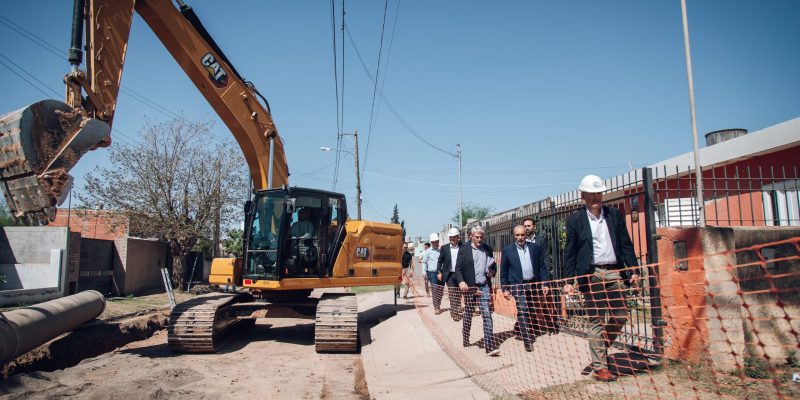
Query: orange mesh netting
[[729, 327]]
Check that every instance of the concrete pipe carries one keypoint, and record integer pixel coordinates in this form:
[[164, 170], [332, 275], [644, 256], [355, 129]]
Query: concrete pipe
[[23, 329]]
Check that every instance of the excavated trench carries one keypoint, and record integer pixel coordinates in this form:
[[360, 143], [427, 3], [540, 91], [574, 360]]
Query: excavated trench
[[90, 340]]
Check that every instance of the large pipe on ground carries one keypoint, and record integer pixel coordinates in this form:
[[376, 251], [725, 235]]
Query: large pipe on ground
[[24, 329]]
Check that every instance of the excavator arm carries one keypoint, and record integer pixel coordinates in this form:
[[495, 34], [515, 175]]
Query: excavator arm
[[40, 143]]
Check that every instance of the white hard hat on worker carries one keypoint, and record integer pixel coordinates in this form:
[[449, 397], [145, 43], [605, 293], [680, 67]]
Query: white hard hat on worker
[[453, 232], [434, 237], [592, 184]]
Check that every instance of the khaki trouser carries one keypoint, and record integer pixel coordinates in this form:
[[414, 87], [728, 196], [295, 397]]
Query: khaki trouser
[[605, 307]]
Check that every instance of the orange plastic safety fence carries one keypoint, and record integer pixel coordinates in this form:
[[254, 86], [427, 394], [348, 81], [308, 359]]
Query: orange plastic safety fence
[[731, 329]]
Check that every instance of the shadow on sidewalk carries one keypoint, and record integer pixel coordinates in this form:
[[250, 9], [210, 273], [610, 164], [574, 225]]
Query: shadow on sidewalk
[[368, 319]]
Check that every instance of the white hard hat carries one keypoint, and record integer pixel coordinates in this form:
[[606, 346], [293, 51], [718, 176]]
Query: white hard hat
[[592, 184], [434, 237], [411, 245], [453, 232]]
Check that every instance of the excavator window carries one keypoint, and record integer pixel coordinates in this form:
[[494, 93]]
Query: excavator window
[[303, 255], [263, 243]]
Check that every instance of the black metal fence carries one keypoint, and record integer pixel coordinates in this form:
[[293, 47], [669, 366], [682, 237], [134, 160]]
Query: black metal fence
[[733, 195], [632, 195], [739, 194]]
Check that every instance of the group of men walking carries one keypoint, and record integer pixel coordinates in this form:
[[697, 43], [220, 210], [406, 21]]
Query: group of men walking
[[599, 262]]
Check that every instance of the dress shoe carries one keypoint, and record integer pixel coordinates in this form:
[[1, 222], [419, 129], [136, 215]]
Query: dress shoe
[[604, 375], [529, 347], [493, 352], [587, 370], [465, 343], [437, 312]]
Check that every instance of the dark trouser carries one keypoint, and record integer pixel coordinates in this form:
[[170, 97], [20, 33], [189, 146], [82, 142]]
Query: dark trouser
[[480, 296], [436, 288], [454, 295], [524, 311], [605, 307]]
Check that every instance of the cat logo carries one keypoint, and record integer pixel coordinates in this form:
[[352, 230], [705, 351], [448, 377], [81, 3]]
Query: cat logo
[[362, 252], [215, 71]]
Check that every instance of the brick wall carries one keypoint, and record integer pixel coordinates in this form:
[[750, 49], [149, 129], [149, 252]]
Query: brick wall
[[94, 224]]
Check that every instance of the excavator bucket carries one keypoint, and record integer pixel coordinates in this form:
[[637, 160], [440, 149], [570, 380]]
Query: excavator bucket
[[39, 144]]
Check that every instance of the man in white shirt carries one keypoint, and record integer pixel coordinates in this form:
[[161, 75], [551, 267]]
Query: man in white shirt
[[600, 254], [430, 263], [446, 267]]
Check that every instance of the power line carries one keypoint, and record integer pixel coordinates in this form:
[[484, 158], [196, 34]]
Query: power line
[[60, 54], [56, 51], [336, 84], [389, 104], [375, 87], [455, 184], [26, 79], [32, 37]]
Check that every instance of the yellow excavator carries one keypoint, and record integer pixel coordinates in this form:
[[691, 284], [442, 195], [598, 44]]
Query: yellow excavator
[[296, 239]]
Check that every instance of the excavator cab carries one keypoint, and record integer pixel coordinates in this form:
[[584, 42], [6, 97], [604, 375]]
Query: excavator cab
[[293, 233]]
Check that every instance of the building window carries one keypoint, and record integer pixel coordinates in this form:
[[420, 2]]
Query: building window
[[677, 212], [781, 204]]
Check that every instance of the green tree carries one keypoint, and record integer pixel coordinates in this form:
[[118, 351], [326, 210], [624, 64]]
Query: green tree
[[395, 215], [172, 185], [472, 211], [234, 244], [403, 225]]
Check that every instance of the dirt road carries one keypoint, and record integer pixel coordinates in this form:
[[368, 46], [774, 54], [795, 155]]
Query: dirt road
[[274, 359]]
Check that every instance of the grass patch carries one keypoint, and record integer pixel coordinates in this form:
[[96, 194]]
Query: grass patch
[[120, 306], [370, 289]]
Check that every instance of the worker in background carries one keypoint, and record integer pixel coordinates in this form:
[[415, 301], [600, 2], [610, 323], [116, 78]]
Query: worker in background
[[303, 226], [545, 320], [426, 247], [430, 264], [446, 267], [600, 254], [475, 268], [408, 272]]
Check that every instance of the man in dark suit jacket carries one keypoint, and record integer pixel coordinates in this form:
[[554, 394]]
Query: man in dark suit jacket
[[546, 309], [446, 267], [522, 270], [600, 254], [475, 268]]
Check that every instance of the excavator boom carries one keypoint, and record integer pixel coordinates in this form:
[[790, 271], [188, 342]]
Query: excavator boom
[[40, 143]]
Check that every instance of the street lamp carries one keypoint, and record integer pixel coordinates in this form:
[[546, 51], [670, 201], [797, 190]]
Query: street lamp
[[358, 174]]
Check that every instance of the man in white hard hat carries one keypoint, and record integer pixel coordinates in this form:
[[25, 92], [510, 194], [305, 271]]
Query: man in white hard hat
[[422, 251], [429, 260], [446, 266], [600, 254]]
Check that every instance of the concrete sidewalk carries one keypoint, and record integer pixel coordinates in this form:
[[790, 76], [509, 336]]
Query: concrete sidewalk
[[403, 361]]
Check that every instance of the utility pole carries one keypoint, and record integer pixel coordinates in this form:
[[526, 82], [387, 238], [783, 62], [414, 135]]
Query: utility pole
[[358, 172], [460, 190], [358, 175], [698, 170]]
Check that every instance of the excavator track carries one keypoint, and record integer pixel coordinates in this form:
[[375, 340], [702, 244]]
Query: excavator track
[[336, 327], [197, 325]]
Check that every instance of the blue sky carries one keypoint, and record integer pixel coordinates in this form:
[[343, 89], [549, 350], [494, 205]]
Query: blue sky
[[537, 93]]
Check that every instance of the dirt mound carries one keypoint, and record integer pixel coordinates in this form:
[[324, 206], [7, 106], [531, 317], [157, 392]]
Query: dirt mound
[[89, 340]]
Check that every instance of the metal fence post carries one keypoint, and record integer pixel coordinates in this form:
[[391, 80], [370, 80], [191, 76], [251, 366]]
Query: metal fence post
[[652, 261]]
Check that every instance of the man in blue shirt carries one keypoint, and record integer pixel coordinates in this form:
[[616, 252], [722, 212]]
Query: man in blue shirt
[[429, 264]]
